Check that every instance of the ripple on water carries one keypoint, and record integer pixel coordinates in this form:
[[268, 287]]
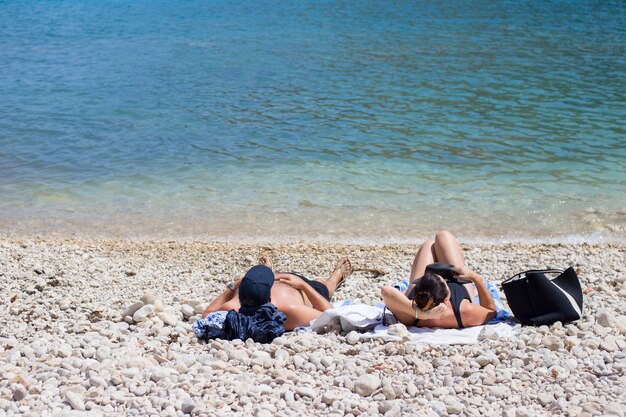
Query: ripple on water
[[367, 119]]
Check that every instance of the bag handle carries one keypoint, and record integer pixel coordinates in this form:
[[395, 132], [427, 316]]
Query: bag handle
[[532, 271], [542, 271]]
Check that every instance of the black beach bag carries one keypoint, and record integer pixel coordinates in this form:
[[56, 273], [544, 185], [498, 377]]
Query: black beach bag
[[536, 299]]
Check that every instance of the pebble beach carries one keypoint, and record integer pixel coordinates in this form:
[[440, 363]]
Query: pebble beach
[[103, 328], [152, 152]]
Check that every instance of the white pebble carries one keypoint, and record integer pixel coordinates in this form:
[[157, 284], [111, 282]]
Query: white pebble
[[352, 338], [187, 310], [131, 309], [366, 385], [143, 313], [148, 298], [187, 406], [75, 400]]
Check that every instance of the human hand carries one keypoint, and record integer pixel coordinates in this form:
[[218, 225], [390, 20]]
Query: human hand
[[291, 280], [437, 312], [464, 272]]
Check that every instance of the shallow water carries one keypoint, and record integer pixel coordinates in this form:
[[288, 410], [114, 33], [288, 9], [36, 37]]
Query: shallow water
[[333, 120]]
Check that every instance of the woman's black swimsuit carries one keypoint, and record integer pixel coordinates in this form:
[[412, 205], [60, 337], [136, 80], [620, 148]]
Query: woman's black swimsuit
[[458, 293]]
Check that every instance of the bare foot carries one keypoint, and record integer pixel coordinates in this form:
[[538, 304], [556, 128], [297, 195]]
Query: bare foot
[[264, 260], [345, 267]]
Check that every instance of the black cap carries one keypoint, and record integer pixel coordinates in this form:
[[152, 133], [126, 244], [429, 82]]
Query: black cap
[[445, 271], [256, 286]]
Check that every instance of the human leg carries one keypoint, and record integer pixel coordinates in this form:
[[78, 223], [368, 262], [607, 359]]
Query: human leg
[[342, 270], [425, 256], [264, 260], [447, 249]]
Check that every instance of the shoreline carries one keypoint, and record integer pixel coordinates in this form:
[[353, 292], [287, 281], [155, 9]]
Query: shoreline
[[329, 226], [363, 240], [64, 347]]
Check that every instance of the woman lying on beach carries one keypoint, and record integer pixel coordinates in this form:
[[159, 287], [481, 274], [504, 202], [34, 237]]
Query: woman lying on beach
[[300, 299], [431, 301]]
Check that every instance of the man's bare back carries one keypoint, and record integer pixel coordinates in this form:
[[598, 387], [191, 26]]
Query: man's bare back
[[298, 299]]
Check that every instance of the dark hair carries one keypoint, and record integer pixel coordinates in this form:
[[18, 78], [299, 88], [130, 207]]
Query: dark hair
[[430, 291]]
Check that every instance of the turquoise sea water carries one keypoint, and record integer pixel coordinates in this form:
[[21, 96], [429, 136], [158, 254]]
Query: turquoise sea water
[[362, 119]]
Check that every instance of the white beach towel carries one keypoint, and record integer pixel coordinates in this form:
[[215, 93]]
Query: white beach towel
[[466, 336], [346, 317]]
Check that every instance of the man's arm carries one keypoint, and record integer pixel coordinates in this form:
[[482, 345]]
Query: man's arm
[[222, 299], [299, 315], [318, 302]]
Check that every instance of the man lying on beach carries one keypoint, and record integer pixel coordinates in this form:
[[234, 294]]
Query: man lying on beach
[[300, 299]]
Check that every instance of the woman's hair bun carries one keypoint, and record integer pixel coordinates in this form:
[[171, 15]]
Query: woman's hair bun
[[430, 291], [424, 300]]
